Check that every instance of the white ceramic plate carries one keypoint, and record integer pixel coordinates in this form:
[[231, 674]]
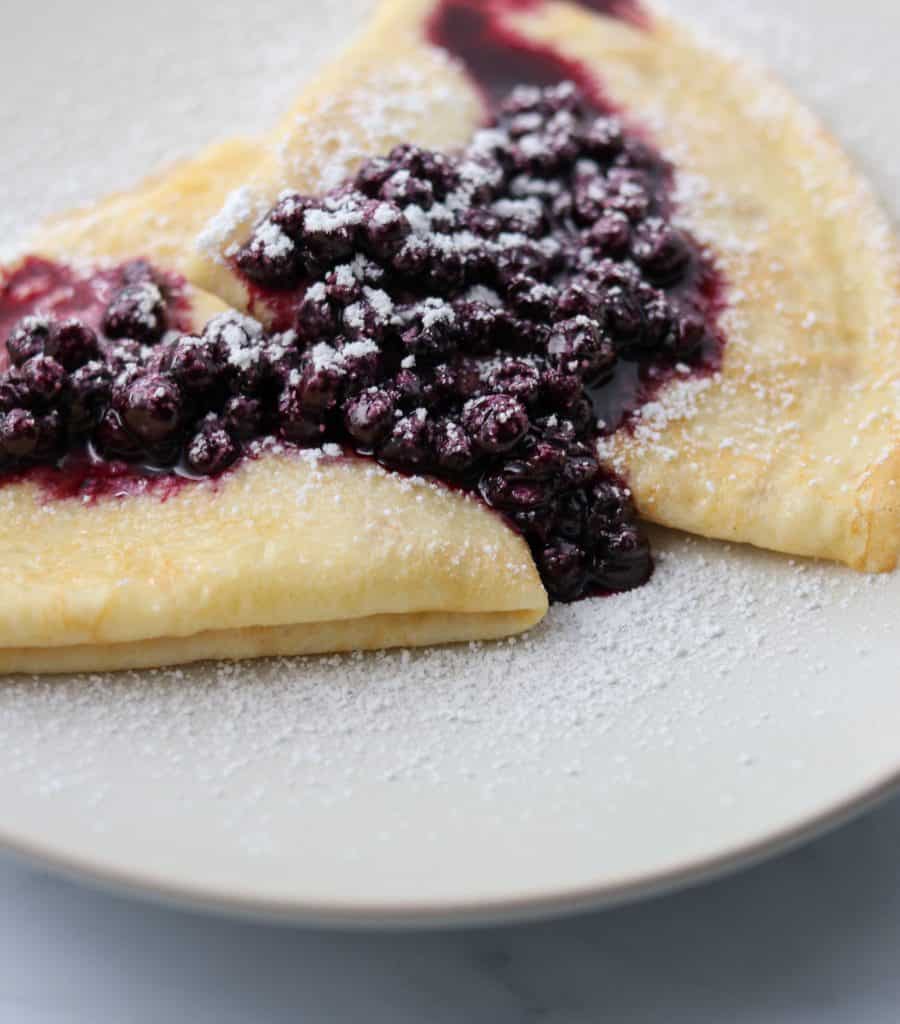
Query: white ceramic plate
[[738, 703]]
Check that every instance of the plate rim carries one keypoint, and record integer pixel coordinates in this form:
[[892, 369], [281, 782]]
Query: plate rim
[[439, 914]]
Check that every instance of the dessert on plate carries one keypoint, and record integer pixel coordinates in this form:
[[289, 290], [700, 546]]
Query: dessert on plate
[[507, 276]]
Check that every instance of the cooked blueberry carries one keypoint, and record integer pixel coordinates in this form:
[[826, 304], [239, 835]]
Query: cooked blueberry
[[113, 440], [432, 166], [544, 460], [122, 354], [521, 216], [373, 174], [571, 516], [405, 189], [317, 317], [193, 362], [288, 213], [524, 99], [446, 270], [578, 347], [589, 198], [604, 138], [386, 228], [409, 443], [628, 193], [523, 258], [329, 230], [435, 331], [238, 343], [295, 423], [321, 381], [660, 319], [90, 388], [271, 257], [151, 408], [371, 317], [610, 234], [609, 506], [29, 338], [412, 260], [495, 423], [453, 449], [44, 380], [13, 393], [482, 222], [577, 299], [243, 417], [212, 449], [518, 378], [623, 560], [512, 493], [582, 466], [661, 250], [361, 363], [410, 389], [536, 523], [623, 319], [564, 569], [19, 434], [532, 299], [458, 381], [73, 344], [561, 390], [138, 312], [369, 416], [477, 322]]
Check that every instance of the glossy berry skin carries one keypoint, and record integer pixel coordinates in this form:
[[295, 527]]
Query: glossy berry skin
[[453, 449], [151, 409], [495, 423], [29, 338], [369, 417], [579, 348], [624, 561], [45, 382], [564, 569], [90, 394], [271, 257], [194, 364], [244, 417], [73, 344], [212, 449], [113, 440], [409, 443], [138, 312], [296, 423], [661, 251], [19, 434]]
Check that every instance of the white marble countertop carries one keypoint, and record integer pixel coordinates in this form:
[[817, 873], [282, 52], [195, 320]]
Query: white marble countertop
[[811, 937]]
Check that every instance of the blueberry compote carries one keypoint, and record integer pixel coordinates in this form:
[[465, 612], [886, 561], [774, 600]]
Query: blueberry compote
[[484, 316], [479, 316]]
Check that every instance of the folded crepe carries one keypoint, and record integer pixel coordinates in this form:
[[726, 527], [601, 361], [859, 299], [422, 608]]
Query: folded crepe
[[793, 445]]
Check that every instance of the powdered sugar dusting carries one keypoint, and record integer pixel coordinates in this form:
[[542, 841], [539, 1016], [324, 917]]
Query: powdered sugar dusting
[[747, 674], [589, 683]]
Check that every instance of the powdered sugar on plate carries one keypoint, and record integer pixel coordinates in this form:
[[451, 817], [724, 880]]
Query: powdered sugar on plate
[[734, 695]]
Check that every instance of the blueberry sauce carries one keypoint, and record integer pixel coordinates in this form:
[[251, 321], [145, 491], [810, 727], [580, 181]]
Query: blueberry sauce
[[67, 308], [43, 287], [480, 317], [497, 58]]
